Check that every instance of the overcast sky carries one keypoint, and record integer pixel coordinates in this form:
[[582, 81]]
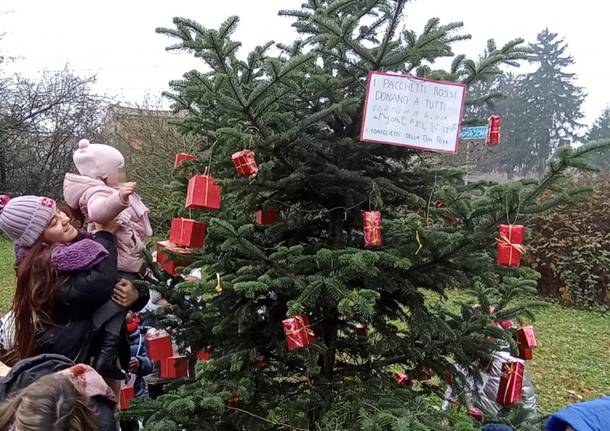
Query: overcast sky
[[117, 41]]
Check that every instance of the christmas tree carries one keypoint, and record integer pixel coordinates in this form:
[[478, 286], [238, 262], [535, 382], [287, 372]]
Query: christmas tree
[[298, 107]]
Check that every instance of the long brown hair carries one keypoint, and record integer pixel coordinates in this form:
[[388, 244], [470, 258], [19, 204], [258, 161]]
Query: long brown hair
[[38, 282], [50, 403]]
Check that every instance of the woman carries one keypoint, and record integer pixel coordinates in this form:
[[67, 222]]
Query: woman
[[62, 279]]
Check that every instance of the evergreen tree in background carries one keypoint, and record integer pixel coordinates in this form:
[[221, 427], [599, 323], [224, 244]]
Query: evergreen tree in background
[[601, 130], [540, 110], [299, 107]]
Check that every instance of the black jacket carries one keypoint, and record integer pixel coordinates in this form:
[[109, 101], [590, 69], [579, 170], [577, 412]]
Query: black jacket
[[72, 331], [27, 371]]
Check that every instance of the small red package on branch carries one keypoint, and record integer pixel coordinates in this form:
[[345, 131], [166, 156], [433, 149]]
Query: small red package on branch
[[202, 193], [267, 217], [371, 226], [174, 367], [510, 245], [205, 354], [158, 345], [526, 337], [362, 329], [183, 157], [169, 264], [425, 374], [187, 233], [403, 379], [127, 392], [298, 332], [493, 130], [511, 383], [476, 414], [234, 400], [245, 163], [261, 362]]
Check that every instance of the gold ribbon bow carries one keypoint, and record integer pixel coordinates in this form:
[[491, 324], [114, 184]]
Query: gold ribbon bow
[[297, 326], [504, 240]]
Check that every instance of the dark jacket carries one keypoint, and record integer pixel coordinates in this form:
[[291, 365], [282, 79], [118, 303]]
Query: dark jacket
[[83, 292], [138, 350], [31, 369]]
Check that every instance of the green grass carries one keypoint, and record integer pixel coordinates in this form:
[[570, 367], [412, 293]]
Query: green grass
[[572, 363], [7, 274]]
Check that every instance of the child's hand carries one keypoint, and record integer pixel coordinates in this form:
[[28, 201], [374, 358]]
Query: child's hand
[[127, 189], [112, 227], [134, 364]]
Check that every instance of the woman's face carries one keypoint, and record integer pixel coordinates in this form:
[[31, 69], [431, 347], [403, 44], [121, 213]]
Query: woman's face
[[59, 229]]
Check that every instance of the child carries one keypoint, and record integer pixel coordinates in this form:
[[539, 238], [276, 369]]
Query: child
[[101, 195], [139, 364]]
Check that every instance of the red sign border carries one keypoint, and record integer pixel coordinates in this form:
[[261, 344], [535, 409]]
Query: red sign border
[[417, 78]]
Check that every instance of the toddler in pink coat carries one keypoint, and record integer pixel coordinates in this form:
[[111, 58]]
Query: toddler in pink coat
[[101, 194]]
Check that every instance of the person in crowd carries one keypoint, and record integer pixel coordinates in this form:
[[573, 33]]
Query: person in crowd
[[587, 416], [100, 194], [63, 278], [49, 392]]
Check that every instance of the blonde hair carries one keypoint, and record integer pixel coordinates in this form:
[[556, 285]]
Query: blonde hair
[[51, 403]]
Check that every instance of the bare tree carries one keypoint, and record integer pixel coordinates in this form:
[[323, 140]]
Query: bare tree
[[40, 123]]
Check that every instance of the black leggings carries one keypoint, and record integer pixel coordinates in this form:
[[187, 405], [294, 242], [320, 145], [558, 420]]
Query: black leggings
[[111, 316]]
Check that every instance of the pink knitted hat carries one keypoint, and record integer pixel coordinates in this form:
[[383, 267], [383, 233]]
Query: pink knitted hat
[[98, 161]]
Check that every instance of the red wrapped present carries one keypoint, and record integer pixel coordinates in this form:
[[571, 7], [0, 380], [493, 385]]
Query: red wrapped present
[[493, 130], [448, 377], [245, 163], [526, 337], [476, 414], [298, 332], [526, 353], [425, 374], [505, 324], [267, 217], [159, 347], [362, 329], [183, 157], [169, 264], [403, 379], [205, 354], [174, 367], [511, 383], [187, 233], [126, 394], [202, 193], [261, 362], [234, 400], [510, 246], [371, 225]]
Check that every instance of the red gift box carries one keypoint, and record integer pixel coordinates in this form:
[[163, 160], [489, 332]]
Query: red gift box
[[362, 329], [511, 383], [261, 362], [167, 262], [510, 246], [234, 400], [159, 347], [476, 414], [448, 377], [371, 225], [187, 233], [298, 332], [493, 130], [425, 374], [245, 163], [183, 157], [267, 217], [403, 379], [174, 367], [526, 337], [526, 353], [127, 394], [205, 354], [202, 193]]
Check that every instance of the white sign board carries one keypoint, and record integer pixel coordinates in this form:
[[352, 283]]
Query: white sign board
[[413, 112]]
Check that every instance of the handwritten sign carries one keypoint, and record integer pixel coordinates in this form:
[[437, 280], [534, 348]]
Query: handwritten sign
[[412, 112], [473, 133]]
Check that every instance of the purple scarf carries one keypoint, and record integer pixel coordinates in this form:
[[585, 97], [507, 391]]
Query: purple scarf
[[79, 255]]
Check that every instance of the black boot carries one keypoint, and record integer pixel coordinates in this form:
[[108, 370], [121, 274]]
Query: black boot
[[105, 362]]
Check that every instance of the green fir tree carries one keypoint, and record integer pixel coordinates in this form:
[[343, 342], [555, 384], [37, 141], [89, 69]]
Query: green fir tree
[[299, 107]]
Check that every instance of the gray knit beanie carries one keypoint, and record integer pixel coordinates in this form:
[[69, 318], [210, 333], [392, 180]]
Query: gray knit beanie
[[25, 218]]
